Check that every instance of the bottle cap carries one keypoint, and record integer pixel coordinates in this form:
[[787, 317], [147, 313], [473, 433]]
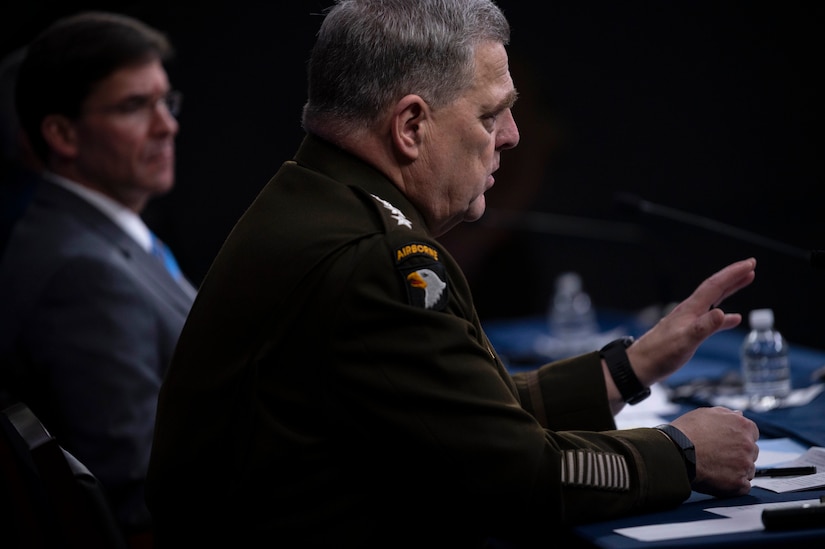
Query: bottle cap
[[569, 282], [761, 319]]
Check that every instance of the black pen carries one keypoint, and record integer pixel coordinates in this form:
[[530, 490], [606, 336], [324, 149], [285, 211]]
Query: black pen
[[785, 471]]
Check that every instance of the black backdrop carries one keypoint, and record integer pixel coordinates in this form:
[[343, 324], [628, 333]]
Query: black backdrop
[[713, 108]]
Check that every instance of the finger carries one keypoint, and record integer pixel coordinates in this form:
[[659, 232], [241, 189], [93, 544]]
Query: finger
[[732, 272], [731, 320], [740, 283], [714, 321], [727, 281]]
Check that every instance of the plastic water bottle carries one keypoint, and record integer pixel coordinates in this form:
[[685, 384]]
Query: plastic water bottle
[[766, 369], [571, 313]]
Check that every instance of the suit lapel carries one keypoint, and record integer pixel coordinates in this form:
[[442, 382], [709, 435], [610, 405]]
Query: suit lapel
[[148, 271]]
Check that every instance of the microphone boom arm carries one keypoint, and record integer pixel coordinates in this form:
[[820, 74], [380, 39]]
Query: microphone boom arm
[[652, 208]]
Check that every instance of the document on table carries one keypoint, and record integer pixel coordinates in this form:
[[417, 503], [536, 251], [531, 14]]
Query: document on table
[[777, 452], [737, 519], [648, 413], [813, 456], [744, 518]]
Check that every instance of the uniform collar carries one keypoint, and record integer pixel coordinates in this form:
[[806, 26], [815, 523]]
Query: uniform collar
[[322, 156]]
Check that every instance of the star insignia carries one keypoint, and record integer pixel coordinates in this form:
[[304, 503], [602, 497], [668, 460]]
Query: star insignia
[[395, 213]]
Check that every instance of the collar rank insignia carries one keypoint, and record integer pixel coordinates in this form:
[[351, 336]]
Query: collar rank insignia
[[395, 213], [423, 275]]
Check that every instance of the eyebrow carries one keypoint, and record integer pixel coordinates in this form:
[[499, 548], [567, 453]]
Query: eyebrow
[[145, 95], [508, 101]]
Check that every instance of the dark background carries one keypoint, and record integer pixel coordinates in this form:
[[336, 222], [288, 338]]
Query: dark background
[[712, 108]]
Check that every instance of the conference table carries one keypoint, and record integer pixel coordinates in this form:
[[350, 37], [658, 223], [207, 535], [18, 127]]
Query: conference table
[[710, 377]]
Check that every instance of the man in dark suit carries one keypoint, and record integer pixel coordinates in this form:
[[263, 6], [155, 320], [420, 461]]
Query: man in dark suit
[[89, 315]]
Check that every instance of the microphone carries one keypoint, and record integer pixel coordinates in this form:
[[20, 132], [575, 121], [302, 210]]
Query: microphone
[[816, 257]]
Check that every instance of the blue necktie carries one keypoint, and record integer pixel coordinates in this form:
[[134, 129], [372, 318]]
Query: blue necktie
[[162, 252]]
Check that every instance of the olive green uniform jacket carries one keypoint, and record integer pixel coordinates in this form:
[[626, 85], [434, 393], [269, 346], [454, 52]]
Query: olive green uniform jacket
[[333, 385]]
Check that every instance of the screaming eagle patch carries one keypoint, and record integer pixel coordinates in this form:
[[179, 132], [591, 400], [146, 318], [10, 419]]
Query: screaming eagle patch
[[423, 275]]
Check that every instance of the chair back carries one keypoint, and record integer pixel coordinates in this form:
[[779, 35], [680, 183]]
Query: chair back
[[51, 499]]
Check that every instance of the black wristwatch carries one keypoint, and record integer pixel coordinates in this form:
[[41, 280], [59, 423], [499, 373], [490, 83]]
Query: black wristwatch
[[685, 446], [614, 354]]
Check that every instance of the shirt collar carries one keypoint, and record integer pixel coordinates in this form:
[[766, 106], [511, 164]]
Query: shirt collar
[[122, 216]]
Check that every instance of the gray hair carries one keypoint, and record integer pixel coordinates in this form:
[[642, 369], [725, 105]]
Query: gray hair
[[370, 53]]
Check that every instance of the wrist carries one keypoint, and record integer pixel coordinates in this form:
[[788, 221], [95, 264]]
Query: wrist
[[685, 446], [618, 364]]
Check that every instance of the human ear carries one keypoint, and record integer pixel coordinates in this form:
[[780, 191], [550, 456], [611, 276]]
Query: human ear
[[60, 135], [409, 123]]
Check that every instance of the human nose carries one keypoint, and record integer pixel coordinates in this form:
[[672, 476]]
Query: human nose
[[172, 100], [508, 135], [164, 123], [164, 114]]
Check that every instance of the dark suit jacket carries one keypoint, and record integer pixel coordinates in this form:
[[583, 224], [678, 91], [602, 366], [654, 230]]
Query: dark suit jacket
[[88, 324]]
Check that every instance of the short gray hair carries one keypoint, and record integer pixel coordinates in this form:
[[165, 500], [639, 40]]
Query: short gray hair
[[370, 53]]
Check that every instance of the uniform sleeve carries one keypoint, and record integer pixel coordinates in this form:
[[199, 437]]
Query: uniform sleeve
[[429, 394], [568, 394]]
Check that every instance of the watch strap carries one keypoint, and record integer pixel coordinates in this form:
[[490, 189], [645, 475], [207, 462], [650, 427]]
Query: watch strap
[[685, 446], [615, 356]]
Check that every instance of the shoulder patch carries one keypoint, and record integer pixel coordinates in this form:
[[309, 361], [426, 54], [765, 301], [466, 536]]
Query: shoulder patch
[[423, 275]]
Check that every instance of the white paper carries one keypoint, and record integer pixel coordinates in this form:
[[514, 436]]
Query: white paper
[[775, 452], [649, 412], [813, 456], [741, 518], [798, 397]]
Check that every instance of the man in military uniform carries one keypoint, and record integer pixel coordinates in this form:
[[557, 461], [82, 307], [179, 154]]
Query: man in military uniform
[[333, 385]]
